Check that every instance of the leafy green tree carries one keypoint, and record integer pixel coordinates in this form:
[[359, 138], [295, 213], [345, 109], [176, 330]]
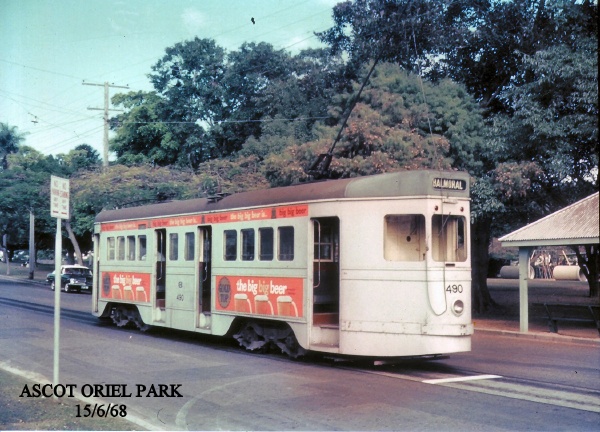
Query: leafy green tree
[[399, 123], [24, 190], [295, 103], [553, 126], [81, 157], [189, 80], [207, 103], [141, 136], [10, 139], [125, 186]]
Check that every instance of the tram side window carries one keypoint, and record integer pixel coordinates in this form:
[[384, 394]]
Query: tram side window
[[189, 246], [173, 246], [265, 239], [404, 238], [121, 248], [230, 242], [324, 245], [130, 248], [141, 247], [449, 241], [247, 245], [286, 243], [110, 248]]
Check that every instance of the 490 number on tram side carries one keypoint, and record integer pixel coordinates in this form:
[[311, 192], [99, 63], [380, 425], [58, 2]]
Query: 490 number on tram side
[[375, 266]]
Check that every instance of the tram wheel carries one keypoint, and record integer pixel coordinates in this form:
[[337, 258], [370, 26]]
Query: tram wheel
[[249, 338], [141, 325], [119, 317], [290, 346]]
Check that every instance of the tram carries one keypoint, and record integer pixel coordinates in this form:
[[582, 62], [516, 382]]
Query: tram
[[375, 266]]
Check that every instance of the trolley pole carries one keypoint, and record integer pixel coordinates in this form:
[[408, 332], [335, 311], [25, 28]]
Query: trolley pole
[[59, 208]]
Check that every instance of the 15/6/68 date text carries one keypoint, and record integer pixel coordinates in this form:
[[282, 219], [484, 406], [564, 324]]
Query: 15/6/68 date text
[[101, 410]]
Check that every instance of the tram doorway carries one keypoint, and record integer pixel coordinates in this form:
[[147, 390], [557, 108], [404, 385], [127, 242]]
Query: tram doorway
[[326, 270], [204, 274], [161, 267]]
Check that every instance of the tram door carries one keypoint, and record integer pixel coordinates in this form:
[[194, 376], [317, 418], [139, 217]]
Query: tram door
[[161, 267], [326, 270], [204, 269], [96, 272]]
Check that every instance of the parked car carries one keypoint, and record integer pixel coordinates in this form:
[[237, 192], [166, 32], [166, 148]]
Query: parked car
[[21, 257], [73, 278]]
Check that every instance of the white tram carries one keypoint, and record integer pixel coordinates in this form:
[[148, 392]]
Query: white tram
[[375, 266]]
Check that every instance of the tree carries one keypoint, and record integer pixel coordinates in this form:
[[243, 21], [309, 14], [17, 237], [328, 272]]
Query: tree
[[81, 157], [294, 103], [398, 123], [189, 80], [125, 186], [141, 136], [557, 106], [207, 103], [10, 139], [23, 190]]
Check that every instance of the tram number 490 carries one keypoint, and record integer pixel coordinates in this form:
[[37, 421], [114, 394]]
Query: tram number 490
[[454, 288]]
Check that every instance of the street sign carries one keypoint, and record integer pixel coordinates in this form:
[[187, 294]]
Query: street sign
[[59, 197], [59, 208]]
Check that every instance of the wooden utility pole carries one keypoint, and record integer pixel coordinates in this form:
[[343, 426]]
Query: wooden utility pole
[[31, 244], [106, 86]]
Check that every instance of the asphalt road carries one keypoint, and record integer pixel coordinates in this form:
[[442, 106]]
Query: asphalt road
[[504, 384]]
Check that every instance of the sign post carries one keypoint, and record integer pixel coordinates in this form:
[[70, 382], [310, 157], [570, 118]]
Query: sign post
[[59, 208]]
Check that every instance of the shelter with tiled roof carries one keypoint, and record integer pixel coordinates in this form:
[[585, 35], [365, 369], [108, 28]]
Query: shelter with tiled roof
[[575, 225]]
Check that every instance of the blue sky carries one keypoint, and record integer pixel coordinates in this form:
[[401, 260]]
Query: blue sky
[[49, 47]]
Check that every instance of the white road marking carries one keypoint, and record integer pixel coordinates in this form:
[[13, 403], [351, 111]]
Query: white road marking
[[461, 379]]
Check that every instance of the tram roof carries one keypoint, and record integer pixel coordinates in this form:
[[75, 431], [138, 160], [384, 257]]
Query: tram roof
[[402, 183]]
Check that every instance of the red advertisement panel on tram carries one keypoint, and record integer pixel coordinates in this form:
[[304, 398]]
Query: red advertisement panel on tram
[[260, 295], [126, 286]]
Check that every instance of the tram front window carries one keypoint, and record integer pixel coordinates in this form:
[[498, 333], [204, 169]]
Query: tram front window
[[404, 238], [449, 242]]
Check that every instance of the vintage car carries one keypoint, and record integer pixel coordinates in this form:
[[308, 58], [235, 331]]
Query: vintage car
[[73, 278]]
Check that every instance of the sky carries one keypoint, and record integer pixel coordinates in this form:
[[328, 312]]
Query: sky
[[49, 48]]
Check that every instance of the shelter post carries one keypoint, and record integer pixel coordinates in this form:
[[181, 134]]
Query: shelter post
[[524, 254]]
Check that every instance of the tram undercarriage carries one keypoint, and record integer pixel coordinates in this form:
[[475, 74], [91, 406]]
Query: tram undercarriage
[[261, 335], [123, 315], [253, 335]]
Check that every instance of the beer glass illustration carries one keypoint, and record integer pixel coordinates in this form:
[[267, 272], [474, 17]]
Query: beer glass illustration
[[140, 294], [116, 292], [128, 293], [286, 306], [242, 304], [262, 305]]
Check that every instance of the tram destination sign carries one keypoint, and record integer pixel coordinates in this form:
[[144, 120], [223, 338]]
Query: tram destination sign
[[59, 197], [447, 183]]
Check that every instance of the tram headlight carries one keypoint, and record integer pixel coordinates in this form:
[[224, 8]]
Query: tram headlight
[[458, 307]]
